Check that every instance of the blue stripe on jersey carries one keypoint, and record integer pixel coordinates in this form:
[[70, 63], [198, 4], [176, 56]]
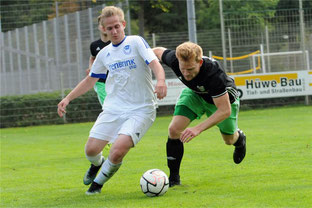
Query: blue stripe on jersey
[[147, 62], [145, 43], [102, 76], [120, 42]]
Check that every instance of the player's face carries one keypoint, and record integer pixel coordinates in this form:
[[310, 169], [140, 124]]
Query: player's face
[[189, 69], [115, 29]]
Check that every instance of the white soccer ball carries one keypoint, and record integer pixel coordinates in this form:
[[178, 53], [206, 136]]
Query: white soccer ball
[[154, 182]]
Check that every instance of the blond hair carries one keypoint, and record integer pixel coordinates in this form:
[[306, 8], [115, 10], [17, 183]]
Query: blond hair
[[189, 51], [99, 18], [111, 11]]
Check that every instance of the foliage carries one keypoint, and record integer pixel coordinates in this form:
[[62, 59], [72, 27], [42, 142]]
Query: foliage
[[37, 109], [207, 14], [40, 108], [154, 15], [18, 13], [257, 11], [174, 16], [291, 4], [139, 9], [171, 20]]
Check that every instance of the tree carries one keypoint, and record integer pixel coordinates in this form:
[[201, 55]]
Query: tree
[[207, 14], [18, 13], [172, 18], [144, 11], [258, 11]]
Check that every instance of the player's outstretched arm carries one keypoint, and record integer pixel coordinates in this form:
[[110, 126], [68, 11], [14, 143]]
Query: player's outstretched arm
[[84, 86], [61, 107], [223, 111], [159, 72], [159, 52], [91, 60]]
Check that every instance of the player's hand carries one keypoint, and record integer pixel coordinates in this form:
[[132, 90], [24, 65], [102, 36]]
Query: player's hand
[[161, 89], [61, 107], [189, 134], [87, 71]]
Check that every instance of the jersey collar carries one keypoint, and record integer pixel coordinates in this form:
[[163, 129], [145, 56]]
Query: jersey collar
[[120, 42]]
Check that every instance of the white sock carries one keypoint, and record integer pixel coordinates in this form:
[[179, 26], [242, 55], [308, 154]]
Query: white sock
[[95, 160], [108, 169]]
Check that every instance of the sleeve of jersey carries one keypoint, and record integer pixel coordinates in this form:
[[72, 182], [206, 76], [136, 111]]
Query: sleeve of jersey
[[219, 86], [98, 69], [91, 50], [169, 58], [145, 50]]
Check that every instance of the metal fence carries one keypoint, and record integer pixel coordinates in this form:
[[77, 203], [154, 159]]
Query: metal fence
[[281, 33], [36, 57], [53, 54]]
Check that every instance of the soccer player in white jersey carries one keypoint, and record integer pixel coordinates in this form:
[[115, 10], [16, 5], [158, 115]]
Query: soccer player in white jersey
[[130, 104]]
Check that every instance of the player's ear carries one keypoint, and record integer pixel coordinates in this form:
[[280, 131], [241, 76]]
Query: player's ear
[[201, 62], [101, 28], [124, 23]]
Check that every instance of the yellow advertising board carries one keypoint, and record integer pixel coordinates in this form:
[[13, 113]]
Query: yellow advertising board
[[256, 86], [273, 85]]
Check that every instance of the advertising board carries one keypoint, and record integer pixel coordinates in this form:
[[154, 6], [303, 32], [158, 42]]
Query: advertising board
[[256, 86]]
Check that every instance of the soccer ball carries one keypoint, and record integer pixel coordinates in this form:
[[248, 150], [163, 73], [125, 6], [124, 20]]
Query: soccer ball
[[154, 182]]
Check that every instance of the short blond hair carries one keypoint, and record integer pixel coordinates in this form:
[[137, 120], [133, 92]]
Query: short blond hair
[[109, 11], [99, 18], [189, 51]]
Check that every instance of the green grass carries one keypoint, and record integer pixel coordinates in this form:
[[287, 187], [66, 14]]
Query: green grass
[[43, 166]]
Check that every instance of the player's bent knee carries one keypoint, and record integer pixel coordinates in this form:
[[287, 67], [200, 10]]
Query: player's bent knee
[[91, 151], [116, 155], [94, 146], [228, 142], [116, 158], [228, 139], [174, 132]]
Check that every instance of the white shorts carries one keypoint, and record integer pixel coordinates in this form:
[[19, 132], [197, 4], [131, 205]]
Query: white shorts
[[135, 124]]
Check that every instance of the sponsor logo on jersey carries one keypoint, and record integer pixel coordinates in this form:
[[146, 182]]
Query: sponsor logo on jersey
[[127, 49], [98, 48], [201, 88], [108, 54], [123, 64]]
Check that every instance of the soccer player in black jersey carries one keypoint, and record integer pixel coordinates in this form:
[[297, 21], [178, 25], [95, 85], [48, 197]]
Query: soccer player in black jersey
[[95, 48], [210, 91]]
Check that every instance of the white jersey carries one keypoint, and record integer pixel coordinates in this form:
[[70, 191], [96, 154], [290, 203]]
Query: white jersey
[[129, 83]]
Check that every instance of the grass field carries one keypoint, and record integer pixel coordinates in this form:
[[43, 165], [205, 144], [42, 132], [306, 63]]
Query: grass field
[[43, 166]]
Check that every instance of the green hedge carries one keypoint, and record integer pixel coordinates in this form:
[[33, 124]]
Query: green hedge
[[41, 108], [38, 109]]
